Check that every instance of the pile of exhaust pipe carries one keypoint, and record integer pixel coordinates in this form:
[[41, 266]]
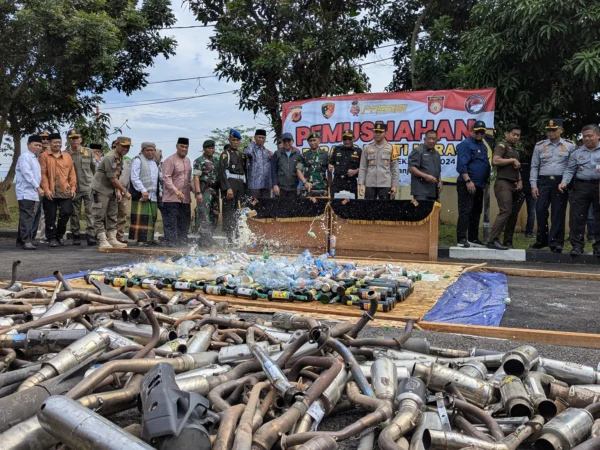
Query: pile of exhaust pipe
[[197, 376]]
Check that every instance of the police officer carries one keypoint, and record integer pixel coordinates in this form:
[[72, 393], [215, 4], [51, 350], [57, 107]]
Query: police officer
[[508, 188], [85, 168], [378, 173], [344, 163], [548, 163], [312, 168], [584, 170], [206, 190], [232, 182], [106, 192]]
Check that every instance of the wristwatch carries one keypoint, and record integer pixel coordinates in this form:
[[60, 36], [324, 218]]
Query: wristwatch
[[196, 193], [468, 181]]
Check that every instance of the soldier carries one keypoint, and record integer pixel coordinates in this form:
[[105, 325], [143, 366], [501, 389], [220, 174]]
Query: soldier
[[85, 168], [344, 163], [312, 168], [508, 188], [232, 182], [548, 163], [584, 170], [378, 174], [206, 190], [107, 191]]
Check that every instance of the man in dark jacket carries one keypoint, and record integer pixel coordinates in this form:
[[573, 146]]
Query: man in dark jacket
[[473, 169], [284, 163]]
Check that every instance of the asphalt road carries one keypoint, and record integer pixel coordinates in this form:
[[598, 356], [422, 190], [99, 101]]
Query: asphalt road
[[537, 303]]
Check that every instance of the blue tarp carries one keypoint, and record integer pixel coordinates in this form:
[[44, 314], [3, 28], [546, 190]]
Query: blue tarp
[[474, 299]]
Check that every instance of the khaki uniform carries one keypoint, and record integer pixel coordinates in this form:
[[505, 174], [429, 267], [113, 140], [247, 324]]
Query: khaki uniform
[[85, 168], [124, 205], [104, 206], [378, 170]]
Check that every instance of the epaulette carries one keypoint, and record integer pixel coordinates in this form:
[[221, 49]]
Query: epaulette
[[305, 150], [541, 142], [395, 154], [501, 144], [569, 141], [355, 146]]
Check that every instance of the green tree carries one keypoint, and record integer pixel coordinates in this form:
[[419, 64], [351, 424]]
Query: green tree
[[97, 129], [58, 56], [289, 50], [427, 33], [221, 137], [542, 56]]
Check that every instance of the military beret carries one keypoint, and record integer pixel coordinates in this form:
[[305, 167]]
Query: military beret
[[183, 141], [208, 143], [73, 134], [380, 126], [235, 134], [260, 133], [314, 136], [348, 133], [123, 140], [553, 124], [53, 136], [34, 138]]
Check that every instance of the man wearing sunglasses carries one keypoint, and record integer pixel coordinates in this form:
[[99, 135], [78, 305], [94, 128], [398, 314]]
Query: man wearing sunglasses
[[548, 164], [107, 191], [344, 162], [473, 169]]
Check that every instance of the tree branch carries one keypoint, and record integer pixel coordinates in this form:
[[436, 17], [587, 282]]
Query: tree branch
[[413, 42]]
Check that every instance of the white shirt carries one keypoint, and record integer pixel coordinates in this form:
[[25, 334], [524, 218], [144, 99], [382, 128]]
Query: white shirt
[[28, 176], [136, 168]]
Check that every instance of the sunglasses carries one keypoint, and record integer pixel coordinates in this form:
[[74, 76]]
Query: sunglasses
[[347, 139], [479, 132]]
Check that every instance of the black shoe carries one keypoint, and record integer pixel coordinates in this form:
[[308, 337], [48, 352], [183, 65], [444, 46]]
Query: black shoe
[[577, 252], [557, 249], [20, 243], [538, 245], [529, 235], [496, 246], [463, 243], [61, 242], [477, 242], [597, 252], [29, 246], [76, 239], [91, 241], [52, 243], [509, 245]]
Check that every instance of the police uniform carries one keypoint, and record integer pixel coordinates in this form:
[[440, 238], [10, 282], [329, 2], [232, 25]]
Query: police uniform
[[104, 206], [313, 165], [207, 210], [509, 198], [584, 171], [124, 205], [85, 168], [378, 168], [343, 159], [548, 164], [232, 175]]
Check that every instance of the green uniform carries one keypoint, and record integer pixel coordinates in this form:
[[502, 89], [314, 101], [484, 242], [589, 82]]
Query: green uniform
[[85, 167], [313, 165], [207, 210], [104, 207]]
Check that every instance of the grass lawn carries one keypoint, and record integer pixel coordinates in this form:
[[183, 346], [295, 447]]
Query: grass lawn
[[13, 223], [447, 238]]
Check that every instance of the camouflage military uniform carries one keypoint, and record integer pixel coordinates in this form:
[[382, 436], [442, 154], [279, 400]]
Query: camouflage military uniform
[[207, 211], [313, 165]]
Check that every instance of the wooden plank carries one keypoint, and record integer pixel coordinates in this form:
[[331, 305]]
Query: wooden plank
[[568, 339], [475, 268], [537, 273]]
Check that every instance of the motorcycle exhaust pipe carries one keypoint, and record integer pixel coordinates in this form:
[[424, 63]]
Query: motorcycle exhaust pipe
[[567, 430], [78, 427], [178, 345], [384, 382], [519, 362], [58, 308], [575, 396], [142, 333], [200, 341], [571, 373], [534, 385], [514, 398], [116, 340], [435, 376], [474, 369], [40, 342]]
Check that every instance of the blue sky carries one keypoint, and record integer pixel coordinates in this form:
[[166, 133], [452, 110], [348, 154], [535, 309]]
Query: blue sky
[[195, 118]]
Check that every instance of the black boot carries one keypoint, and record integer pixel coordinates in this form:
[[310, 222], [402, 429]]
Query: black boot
[[91, 240], [76, 239]]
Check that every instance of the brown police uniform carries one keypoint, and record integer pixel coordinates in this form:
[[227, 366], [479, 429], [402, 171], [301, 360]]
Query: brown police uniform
[[509, 198], [104, 207]]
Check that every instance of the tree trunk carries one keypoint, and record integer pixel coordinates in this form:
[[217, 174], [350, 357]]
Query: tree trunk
[[413, 43], [6, 184]]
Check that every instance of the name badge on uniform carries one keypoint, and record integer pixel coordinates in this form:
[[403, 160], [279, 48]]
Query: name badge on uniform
[[114, 165]]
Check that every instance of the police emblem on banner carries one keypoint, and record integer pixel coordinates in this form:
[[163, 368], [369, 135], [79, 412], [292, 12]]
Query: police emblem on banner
[[475, 104], [296, 113], [435, 104], [327, 109], [355, 109]]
